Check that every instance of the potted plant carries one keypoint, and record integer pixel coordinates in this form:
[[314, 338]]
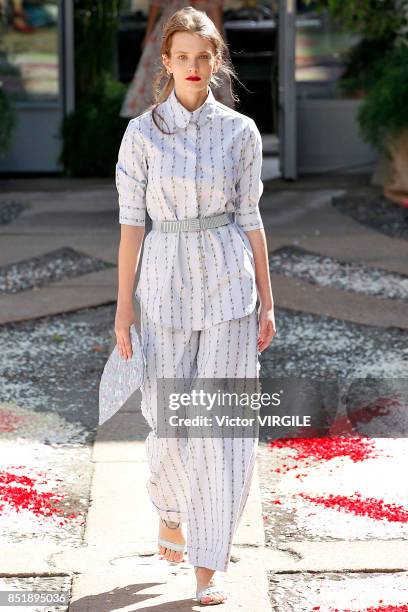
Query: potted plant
[[383, 121]]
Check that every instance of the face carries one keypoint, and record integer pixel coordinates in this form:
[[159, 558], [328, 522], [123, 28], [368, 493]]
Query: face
[[191, 56]]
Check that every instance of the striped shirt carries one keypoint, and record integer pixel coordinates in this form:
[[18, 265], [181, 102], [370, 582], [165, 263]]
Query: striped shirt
[[210, 164]]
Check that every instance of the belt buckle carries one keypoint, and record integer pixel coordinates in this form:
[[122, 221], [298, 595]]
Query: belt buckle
[[195, 224]]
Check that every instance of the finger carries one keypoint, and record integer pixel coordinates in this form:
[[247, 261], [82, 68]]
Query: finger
[[128, 345], [121, 348], [124, 346], [265, 341], [127, 348]]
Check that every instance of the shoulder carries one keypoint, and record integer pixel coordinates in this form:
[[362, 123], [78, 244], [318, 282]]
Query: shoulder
[[139, 127], [144, 123], [243, 123], [137, 123]]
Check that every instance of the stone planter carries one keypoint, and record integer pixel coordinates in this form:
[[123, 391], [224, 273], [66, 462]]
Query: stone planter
[[392, 171]]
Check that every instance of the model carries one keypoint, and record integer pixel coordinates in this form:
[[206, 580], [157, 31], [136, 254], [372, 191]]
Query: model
[[195, 165], [139, 95]]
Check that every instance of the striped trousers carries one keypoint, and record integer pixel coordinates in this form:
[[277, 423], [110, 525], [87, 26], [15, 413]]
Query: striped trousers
[[203, 482]]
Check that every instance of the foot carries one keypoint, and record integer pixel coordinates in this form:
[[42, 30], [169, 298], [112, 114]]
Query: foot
[[204, 577], [172, 532]]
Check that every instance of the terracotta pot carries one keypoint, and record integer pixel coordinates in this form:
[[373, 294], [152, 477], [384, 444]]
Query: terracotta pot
[[392, 172]]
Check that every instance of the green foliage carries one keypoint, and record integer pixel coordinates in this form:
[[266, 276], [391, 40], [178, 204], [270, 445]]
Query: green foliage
[[385, 111], [379, 24], [95, 23], [93, 132], [378, 64], [8, 121], [370, 18], [363, 64]]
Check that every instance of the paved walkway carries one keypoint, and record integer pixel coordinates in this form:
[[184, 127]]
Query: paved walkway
[[116, 559]]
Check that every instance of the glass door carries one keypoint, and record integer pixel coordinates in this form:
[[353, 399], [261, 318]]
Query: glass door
[[32, 55], [328, 95]]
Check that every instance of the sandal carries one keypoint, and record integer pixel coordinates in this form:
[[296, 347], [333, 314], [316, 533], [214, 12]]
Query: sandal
[[171, 545], [207, 591]]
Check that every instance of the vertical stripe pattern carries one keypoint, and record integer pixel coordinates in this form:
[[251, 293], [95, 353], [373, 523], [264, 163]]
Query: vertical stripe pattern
[[203, 482], [209, 164]]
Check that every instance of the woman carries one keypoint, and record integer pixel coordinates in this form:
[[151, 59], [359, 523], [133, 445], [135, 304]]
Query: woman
[[139, 95], [193, 162]]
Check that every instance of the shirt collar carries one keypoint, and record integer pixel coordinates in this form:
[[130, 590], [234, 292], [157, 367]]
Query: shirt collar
[[181, 116]]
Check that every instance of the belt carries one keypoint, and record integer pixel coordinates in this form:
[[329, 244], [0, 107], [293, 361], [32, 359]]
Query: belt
[[194, 224]]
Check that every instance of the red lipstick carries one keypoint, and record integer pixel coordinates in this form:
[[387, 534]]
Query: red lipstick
[[193, 78]]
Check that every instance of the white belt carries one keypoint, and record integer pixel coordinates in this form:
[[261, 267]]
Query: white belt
[[194, 224]]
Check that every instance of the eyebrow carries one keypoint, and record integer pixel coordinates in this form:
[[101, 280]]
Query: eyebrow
[[191, 52]]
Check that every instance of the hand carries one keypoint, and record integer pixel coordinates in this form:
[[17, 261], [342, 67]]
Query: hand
[[124, 318], [267, 330]]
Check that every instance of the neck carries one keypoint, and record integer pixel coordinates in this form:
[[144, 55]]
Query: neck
[[191, 100]]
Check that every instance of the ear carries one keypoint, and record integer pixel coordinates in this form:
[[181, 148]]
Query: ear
[[165, 60], [217, 64]]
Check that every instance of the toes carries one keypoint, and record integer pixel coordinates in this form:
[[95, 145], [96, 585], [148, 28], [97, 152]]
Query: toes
[[216, 596], [164, 552], [170, 555], [210, 598], [177, 556]]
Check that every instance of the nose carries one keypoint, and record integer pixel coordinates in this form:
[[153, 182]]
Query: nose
[[193, 64]]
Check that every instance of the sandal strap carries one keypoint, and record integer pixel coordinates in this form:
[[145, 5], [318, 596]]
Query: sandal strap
[[210, 589], [171, 545], [171, 524]]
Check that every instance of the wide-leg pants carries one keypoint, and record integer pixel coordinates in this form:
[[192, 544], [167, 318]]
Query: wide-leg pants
[[203, 482]]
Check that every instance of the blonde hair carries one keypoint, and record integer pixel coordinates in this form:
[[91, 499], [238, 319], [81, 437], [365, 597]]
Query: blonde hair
[[189, 19]]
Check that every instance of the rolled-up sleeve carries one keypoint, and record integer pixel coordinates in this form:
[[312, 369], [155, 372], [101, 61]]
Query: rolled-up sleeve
[[131, 177], [249, 187]]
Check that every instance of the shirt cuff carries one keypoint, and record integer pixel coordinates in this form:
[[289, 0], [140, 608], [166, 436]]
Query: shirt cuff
[[249, 220], [128, 215]]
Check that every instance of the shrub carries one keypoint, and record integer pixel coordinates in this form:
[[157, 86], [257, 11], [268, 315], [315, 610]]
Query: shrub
[[92, 133], [8, 121], [384, 113]]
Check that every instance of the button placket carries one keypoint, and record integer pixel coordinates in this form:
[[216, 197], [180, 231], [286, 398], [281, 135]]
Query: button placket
[[197, 136]]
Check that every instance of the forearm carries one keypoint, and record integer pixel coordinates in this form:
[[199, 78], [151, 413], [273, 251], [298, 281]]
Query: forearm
[[130, 245], [259, 246]]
